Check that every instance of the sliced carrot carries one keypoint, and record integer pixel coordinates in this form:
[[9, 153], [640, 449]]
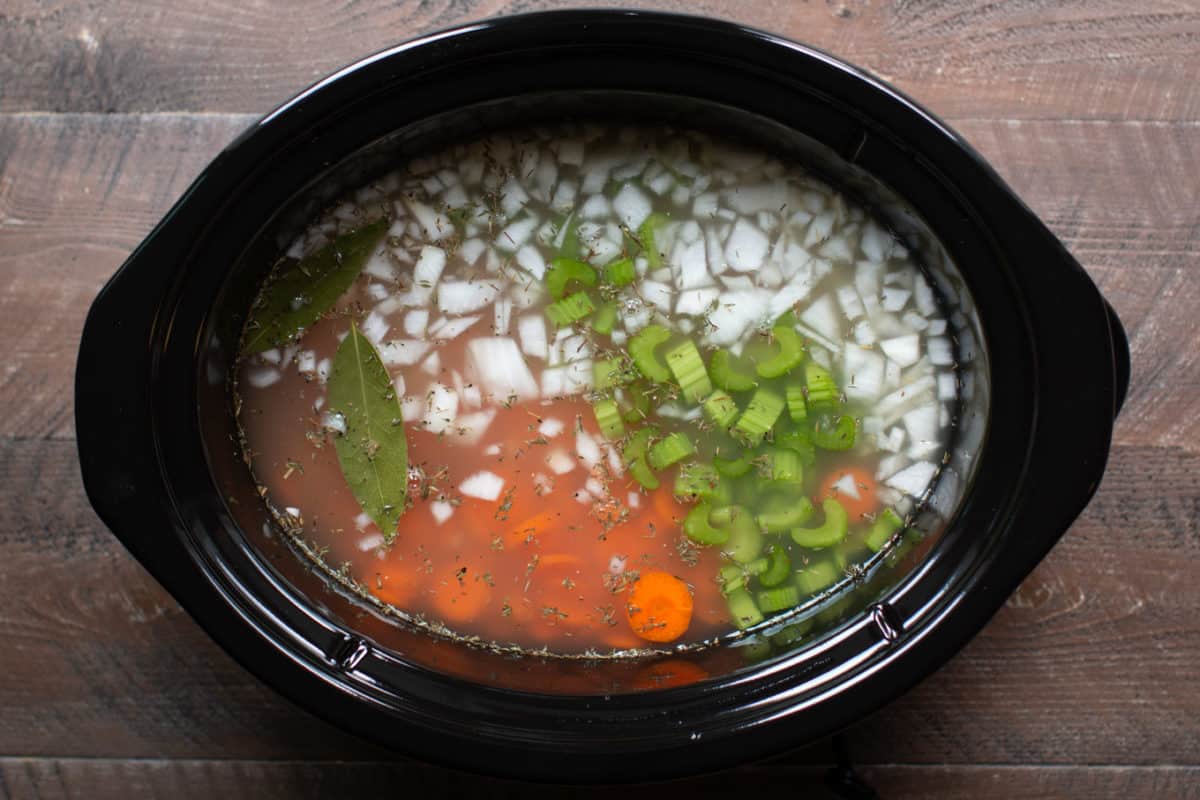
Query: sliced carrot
[[669, 673], [854, 488], [463, 597], [659, 607]]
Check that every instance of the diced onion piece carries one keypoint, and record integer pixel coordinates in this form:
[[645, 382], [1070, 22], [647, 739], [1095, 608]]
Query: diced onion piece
[[502, 316], [415, 322], [587, 448], [403, 352], [551, 427], [658, 295], [441, 511], [746, 247], [441, 408], [735, 313], [822, 318], [463, 297], [941, 353], [516, 233], [483, 485], [449, 328], [904, 350], [559, 462], [495, 363], [470, 428], [696, 302], [690, 263], [632, 206], [532, 331], [913, 480], [850, 302], [894, 299], [863, 373]]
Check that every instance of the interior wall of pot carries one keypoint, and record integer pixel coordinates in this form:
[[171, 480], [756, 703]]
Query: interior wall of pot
[[833, 160]]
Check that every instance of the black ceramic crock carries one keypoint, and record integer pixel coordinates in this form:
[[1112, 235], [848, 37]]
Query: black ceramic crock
[[161, 465]]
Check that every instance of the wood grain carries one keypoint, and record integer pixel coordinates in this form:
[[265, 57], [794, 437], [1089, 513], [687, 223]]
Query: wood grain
[[1033, 59], [1089, 662], [1081, 686], [78, 192], [50, 779]]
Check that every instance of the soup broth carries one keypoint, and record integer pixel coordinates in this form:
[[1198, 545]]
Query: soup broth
[[589, 390]]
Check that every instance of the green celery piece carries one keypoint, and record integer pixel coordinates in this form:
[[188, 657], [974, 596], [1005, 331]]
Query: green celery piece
[[725, 375], [608, 417], [688, 368], [829, 532], [621, 272], [778, 599], [743, 609], [641, 350], [764, 408], [373, 452], [697, 480], [564, 270], [791, 353], [648, 236], [671, 449], [797, 406], [605, 319], [697, 527], [834, 433], [734, 467], [745, 540], [570, 309], [817, 576], [779, 568], [720, 409], [642, 473], [882, 529], [317, 280], [783, 512], [821, 390]]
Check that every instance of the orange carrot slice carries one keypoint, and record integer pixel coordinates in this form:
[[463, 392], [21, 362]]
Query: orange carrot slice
[[659, 607]]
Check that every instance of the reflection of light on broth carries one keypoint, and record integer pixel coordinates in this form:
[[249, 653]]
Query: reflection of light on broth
[[473, 232]]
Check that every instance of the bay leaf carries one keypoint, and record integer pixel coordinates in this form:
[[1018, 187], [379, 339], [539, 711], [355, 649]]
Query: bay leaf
[[302, 290], [373, 453]]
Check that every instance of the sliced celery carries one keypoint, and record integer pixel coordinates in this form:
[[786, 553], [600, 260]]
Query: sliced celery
[[796, 405], [743, 609], [734, 467], [745, 540], [609, 372], [608, 417], [697, 480], [688, 368], [563, 271], [642, 473], [784, 512], [648, 236], [720, 409], [829, 532], [882, 529], [817, 577], [671, 449], [820, 388], [605, 319], [779, 567], [570, 309], [779, 599], [799, 441], [834, 433], [764, 408], [620, 272], [697, 527], [791, 353], [641, 350], [786, 465], [726, 375]]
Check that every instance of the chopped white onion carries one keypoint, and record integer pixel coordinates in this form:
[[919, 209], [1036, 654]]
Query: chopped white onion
[[863, 373], [913, 480], [483, 485], [531, 329], [463, 297], [441, 408], [403, 352], [904, 350], [551, 427], [448, 328], [746, 247], [495, 363], [632, 206], [415, 322], [441, 511], [559, 462]]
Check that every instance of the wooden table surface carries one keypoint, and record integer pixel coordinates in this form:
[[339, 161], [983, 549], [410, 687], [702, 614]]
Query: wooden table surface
[[1084, 684]]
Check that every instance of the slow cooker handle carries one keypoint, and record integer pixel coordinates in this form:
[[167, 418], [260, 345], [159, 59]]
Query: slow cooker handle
[[117, 351]]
